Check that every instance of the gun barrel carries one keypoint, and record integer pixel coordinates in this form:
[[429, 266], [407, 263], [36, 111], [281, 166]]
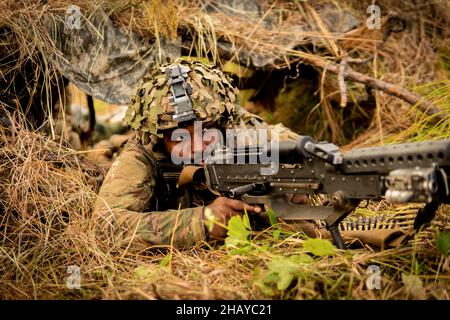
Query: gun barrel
[[406, 155]]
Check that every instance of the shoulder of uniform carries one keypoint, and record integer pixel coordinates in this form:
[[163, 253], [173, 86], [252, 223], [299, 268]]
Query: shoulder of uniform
[[250, 118], [154, 148]]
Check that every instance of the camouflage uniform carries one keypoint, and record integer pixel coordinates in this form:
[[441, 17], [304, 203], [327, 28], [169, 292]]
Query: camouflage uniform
[[131, 206]]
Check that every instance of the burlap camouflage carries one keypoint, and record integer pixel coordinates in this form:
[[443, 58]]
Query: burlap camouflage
[[214, 99], [108, 62]]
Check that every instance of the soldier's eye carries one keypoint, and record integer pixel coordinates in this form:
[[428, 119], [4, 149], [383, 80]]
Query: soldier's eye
[[179, 139]]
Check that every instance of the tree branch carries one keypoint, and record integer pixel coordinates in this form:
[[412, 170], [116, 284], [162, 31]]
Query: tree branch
[[392, 89]]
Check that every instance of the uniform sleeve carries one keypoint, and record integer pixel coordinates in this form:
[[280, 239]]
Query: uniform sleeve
[[125, 195], [251, 120]]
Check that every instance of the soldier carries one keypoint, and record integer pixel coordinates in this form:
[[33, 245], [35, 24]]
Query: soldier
[[134, 204], [140, 201]]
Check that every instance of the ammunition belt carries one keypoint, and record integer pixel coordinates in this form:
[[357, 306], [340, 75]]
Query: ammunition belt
[[400, 220]]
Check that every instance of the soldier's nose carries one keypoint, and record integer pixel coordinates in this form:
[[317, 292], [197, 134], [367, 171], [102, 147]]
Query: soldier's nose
[[197, 147]]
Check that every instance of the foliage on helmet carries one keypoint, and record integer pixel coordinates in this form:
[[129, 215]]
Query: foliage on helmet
[[213, 97]]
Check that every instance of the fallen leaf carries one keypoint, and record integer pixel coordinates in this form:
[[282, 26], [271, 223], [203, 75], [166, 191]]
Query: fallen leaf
[[414, 286], [319, 247], [443, 242]]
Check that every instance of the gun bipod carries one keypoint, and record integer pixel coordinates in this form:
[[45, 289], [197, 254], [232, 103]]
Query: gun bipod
[[341, 209], [332, 215], [425, 215]]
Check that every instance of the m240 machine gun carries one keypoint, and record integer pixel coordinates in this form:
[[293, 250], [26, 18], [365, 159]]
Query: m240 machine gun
[[398, 173]]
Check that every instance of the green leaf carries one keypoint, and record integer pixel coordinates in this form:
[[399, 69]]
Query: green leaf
[[166, 260], [443, 242], [272, 217], [281, 272], [319, 247], [246, 221], [285, 280], [276, 233], [142, 273], [237, 229], [238, 235], [256, 273], [265, 288], [243, 250], [210, 219], [302, 258]]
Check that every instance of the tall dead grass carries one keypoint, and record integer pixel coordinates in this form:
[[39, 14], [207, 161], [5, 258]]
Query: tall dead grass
[[410, 58], [46, 226]]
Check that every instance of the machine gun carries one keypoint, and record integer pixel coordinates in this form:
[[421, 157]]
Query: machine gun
[[398, 173]]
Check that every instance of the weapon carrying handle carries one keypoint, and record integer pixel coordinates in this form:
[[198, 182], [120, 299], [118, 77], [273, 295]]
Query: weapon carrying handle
[[294, 150]]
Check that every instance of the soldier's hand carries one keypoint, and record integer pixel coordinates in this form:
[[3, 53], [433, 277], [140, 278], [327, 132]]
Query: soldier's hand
[[223, 209]]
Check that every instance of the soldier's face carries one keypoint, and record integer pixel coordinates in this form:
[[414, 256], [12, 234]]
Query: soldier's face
[[192, 143]]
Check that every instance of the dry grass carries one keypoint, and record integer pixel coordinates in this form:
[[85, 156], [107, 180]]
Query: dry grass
[[46, 201], [411, 58], [48, 190]]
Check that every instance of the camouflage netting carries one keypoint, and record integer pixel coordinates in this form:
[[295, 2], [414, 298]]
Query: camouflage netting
[[108, 62], [285, 45], [107, 59], [214, 99]]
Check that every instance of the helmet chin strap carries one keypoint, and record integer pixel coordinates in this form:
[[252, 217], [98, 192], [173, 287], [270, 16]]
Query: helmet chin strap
[[180, 97]]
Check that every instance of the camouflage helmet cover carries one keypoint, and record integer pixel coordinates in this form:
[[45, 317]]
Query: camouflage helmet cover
[[213, 98]]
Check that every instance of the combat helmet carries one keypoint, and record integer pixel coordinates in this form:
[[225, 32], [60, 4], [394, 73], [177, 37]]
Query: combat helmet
[[176, 93]]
